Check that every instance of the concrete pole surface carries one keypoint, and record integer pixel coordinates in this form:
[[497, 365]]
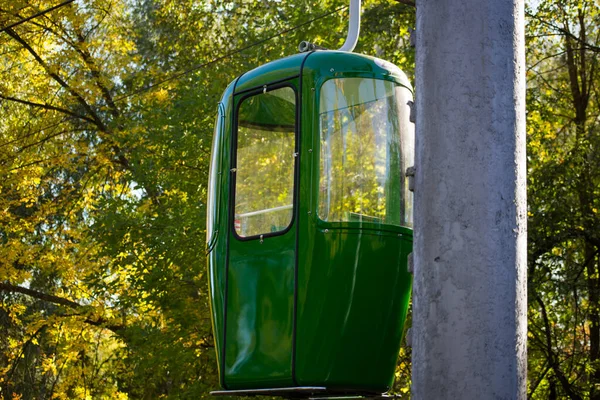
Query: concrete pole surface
[[469, 328]]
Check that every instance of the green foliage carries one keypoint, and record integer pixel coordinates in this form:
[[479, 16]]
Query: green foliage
[[106, 121], [564, 181], [105, 133]]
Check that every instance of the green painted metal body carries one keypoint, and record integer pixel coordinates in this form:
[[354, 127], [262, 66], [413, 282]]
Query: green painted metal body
[[322, 303]]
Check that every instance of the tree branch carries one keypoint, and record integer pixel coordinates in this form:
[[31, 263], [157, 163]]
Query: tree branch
[[47, 107], [563, 31], [553, 361], [7, 287], [539, 380], [37, 15], [95, 71], [50, 298], [87, 58], [120, 157], [97, 120]]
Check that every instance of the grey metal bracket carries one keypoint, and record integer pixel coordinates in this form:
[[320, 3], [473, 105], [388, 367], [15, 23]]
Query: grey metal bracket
[[413, 111], [410, 174], [305, 47]]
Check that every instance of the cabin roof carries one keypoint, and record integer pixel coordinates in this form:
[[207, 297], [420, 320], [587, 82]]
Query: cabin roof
[[324, 60]]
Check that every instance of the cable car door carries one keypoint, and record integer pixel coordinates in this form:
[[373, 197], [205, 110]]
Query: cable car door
[[259, 321]]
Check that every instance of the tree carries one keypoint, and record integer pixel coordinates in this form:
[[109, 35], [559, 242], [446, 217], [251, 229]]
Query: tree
[[563, 139], [105, 131]]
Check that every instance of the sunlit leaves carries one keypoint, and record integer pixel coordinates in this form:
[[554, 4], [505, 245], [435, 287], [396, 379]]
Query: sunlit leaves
[[105, 133], [563, 191]]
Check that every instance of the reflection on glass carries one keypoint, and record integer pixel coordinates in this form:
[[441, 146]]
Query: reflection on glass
[[213, 171], [264, 185], [366, 146]]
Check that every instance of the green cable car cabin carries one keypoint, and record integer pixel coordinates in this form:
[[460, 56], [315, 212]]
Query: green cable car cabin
[[310, 225]]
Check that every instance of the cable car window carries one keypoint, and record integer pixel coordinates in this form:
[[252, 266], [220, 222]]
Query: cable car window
[[213, 172], [366, 140], [264, 186]]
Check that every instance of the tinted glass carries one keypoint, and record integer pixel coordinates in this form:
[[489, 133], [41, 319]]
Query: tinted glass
[[213, 171], [366, 146], [264, 188]]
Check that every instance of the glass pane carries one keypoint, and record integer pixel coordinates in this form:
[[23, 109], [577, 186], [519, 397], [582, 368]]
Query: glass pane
[[366, 144], [213, 171], [407, 147], [264, 188]]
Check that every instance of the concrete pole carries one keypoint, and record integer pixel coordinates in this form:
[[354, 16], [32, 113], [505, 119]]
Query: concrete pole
[[470, 296]]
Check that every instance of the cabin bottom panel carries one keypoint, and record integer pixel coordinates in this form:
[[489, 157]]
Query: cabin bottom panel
[[260, 320], [353, 294]]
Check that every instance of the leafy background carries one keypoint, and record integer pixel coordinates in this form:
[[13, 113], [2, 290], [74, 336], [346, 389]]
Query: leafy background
[[106, 118]]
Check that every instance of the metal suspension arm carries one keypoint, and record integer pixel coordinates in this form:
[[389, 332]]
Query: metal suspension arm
[[353, 28]]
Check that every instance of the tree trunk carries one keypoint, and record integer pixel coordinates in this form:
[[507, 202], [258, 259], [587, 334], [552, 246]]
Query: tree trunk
[[594, 318]]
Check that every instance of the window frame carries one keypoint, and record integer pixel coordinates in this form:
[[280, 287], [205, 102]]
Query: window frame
[[213, 196], [348, 225], [234, 147]]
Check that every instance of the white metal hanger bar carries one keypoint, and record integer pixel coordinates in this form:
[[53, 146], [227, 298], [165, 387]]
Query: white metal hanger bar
[[353, 28]]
